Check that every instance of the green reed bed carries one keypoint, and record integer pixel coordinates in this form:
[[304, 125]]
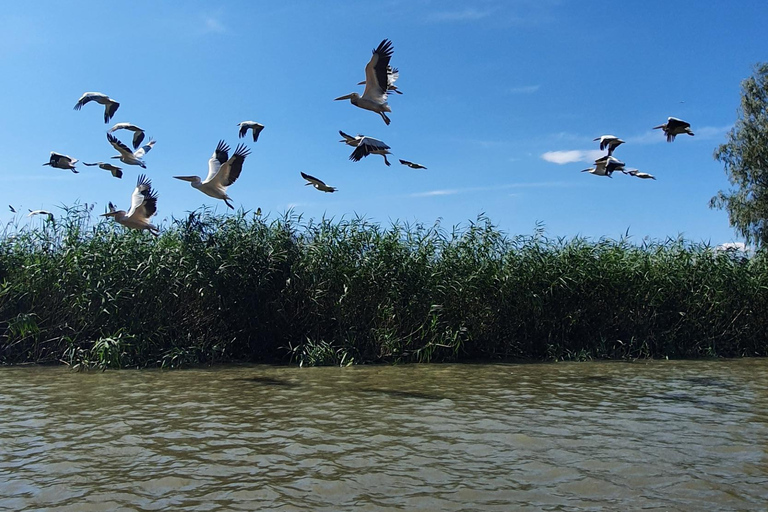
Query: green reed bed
[[244, 288]]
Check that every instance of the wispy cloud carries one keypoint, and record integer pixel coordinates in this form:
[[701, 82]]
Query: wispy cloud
[[506, 186], [525, 89], [468, 14], [712, 132], [568, 157], [213, 25]]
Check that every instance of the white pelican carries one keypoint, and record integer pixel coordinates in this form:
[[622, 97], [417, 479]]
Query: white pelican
[[674, 126], [318, 184], [412, 165], [222, 172], [638, 174], [365, 146], [110, 105], [138, 133], [374, 96], [609, 141], [605, 166], [128, 157], [116, 171], [41, 212], [252, 125], [392, 75], [143, 207], [60, 161]]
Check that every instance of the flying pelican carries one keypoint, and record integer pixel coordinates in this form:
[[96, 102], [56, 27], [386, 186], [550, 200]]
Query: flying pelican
[[605, 166], [60, 161], [674, 126], [138, 133], [110, 105], [392, 75], [13, 210], [253, 125], [128, 157], [116, 171], [222, 172], [638, 174], [41, 212], [365, 146], [412, 165], [143, 207], [609, 141], [374, 96], [318, 184]]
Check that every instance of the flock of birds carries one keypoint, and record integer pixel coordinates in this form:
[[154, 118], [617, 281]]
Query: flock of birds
[[606, 165], [224, 170]]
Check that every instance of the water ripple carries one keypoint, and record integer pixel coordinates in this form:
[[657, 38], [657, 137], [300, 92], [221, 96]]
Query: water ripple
[[598, 436]]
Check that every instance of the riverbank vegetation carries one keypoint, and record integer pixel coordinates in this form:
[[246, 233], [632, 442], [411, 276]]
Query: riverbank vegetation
[[224, 288]]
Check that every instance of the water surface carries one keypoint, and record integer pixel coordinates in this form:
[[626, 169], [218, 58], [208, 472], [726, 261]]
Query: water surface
[[688, 435]]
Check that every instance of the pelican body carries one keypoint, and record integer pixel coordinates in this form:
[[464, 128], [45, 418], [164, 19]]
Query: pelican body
[[365, 146], [116, 171], [673, 127], [130, 157], [250, 125], [143, 207], [110, 105], [412, 165], [638, 174], [605, 166], [138, 133], [223, 171], [318, 184], [60, 161], [374, 96]]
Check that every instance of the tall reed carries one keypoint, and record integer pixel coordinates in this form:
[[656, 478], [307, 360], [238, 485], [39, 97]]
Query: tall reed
[[245, 288]]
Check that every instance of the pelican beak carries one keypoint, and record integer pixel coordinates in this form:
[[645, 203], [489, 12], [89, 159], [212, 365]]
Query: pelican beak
[[586, 170], [361, 83], [186, 178], [657, 127], [343, 97], [108, 214]]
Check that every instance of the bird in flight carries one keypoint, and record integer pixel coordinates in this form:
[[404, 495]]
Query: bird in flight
[[116, 171], [60, 161], [412, 165], [365, 146], [110, 105], [374, 96], [223, 171], [130, 157], [138, 133], [250, 125], [143, 207], [673, 127], [318, 184]]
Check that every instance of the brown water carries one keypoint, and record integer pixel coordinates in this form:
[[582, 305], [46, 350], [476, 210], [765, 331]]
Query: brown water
[[686, 435]]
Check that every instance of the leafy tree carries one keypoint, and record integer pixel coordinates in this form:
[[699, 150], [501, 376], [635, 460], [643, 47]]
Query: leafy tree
[[745, 156]]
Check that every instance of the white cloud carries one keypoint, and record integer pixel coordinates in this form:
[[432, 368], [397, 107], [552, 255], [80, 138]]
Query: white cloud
[[712, 132], [525, 89], [468, 14], [576, 155], [435, 193], [211, 24], [506, 186]]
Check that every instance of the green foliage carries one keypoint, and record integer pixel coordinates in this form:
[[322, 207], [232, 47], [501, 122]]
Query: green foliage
[[242, 287], [745, 156]]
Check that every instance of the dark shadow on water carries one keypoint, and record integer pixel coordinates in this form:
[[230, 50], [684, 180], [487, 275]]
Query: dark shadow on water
[[269, 381], [396, 393]]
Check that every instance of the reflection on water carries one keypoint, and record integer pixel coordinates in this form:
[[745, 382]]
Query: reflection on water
[[685, 435]]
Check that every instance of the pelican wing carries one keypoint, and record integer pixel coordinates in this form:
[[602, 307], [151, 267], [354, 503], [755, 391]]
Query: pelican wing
[[376, 79], [143, 199], [220, 155], [231, 169], [138, 138], [119, 146], [365, 147], [109, 110], [312, 179], [91, 96], [674, 122], [243, 130], [143, 150]]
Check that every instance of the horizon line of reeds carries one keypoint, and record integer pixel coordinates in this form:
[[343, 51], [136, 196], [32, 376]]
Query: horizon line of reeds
[[240, 287]]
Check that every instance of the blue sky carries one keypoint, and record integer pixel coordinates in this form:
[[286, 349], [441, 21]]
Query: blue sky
[[500, 98]]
